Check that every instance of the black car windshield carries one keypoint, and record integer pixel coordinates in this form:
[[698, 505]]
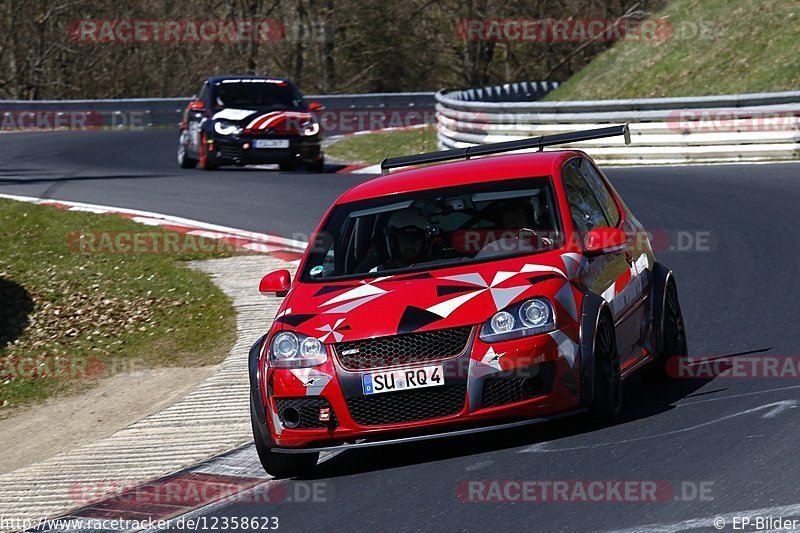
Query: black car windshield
[[256, 94], [435, 228]]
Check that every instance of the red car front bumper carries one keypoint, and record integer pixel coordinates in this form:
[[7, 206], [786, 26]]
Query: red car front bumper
[[485, 384]]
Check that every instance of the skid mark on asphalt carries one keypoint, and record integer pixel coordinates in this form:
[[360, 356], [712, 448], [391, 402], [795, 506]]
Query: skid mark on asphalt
[[773, 409], [742, 395], [478, 465]]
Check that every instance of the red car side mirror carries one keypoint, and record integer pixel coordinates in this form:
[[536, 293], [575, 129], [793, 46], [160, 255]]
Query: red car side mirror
[[277, 283], [315, 106], [197, 105], [603, 240]]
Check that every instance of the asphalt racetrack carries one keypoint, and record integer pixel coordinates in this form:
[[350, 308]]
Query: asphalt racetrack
[[734, 439]]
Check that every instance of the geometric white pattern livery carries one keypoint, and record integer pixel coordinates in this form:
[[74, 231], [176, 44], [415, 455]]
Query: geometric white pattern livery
[[492, 358], [501, 297], [330, 330], [313, 380], [566, 297], [567, 348]]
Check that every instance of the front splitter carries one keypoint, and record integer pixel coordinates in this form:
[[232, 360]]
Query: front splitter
[[366, 443]]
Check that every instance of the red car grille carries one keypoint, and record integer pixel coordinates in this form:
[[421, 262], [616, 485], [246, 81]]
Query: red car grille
[[399, 350], [407, 406]]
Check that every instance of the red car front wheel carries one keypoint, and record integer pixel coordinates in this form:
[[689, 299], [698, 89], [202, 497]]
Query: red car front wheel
[[280, 465]]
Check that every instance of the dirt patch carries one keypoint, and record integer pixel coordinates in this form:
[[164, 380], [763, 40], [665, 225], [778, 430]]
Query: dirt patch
[[61, 424]]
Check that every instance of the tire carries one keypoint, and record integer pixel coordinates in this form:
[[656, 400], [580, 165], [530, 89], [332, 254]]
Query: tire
[[607, 401], [286, 167], [184, 161], [673, 335], [280, 465], [205, 164]]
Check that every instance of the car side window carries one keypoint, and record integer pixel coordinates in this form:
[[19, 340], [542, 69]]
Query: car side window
[[203, 94], [601, 191], [584, 207]]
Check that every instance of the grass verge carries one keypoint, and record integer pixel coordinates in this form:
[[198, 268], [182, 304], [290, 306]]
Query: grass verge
[[371, 148], [68, 318], [718, 47]]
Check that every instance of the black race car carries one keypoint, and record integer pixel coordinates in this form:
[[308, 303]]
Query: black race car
[[246, 120]]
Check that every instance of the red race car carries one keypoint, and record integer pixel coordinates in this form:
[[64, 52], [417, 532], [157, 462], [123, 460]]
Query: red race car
[[457, 298]]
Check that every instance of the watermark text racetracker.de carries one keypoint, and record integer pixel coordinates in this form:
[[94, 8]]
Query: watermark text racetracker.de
[[520, 240], [60, 367], [152, 242], [332, 121], [733, 120], [200, 31], [583, 29], [582, 491], [687, 121], [734, 367], [71, 120], [195, 490]]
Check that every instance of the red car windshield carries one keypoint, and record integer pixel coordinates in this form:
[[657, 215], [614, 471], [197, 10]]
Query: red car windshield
[[436, 228]]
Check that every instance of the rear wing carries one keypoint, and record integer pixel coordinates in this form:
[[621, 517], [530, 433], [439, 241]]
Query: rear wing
[[508, 146]]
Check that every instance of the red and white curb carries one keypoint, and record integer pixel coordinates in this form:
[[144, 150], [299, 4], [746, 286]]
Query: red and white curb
[[289, 250], [179, 499]]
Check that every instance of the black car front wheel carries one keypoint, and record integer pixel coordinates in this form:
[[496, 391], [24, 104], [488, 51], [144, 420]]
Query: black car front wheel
[[280, 465]]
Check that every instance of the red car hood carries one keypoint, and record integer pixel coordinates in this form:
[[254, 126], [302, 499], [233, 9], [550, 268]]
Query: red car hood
[[340, 311]]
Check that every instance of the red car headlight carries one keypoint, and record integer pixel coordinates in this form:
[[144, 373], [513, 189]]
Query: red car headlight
[[523, 319], [295, 350]]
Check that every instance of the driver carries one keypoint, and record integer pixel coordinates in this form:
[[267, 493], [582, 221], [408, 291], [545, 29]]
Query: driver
[[514, 233], [406, 241], [516, 215]]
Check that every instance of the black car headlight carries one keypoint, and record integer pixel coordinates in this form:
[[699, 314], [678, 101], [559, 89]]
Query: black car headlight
[[295, 350], [227, 128], [523, 319]]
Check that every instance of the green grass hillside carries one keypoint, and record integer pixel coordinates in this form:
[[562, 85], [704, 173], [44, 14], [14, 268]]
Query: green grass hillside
[[744, 46]]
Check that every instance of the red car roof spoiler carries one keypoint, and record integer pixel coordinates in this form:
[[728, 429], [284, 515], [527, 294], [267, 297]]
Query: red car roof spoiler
[[508, 146]]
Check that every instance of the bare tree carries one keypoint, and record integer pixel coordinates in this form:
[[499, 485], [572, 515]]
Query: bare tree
[[329, 45]]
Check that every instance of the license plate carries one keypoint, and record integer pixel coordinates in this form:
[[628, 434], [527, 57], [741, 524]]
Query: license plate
[[271, 143], [397, 380]]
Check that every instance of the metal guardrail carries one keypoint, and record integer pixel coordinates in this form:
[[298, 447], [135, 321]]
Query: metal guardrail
[[726, 128], [345, 111]]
